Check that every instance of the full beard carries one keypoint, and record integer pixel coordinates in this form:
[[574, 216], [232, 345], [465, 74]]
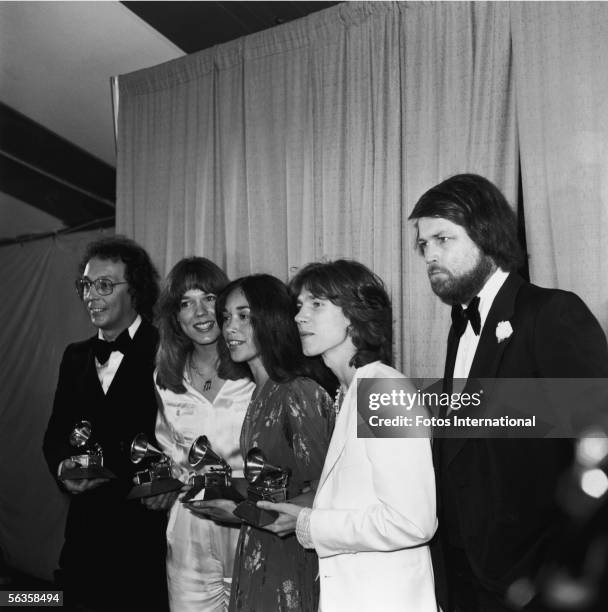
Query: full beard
[[462, 289]]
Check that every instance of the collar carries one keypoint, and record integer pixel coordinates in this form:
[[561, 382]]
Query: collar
[[488, 293], [132, 328]]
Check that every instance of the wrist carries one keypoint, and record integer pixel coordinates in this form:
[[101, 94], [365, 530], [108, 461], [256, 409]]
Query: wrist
[[303, 528]]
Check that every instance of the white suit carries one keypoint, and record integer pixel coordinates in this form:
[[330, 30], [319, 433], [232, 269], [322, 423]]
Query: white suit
[[373, 515]]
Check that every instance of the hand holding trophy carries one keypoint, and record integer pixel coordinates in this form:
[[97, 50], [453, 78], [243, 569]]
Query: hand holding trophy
[[88, 464], [215, 482], [158, 477], [266, 482]]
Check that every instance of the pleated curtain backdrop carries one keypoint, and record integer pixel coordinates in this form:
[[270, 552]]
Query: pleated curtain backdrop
[[560, 51], [41, 314], [314, 139]]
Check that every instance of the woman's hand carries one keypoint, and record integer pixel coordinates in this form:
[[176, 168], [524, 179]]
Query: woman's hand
[[163, 501], [287, 519], [219, 510]]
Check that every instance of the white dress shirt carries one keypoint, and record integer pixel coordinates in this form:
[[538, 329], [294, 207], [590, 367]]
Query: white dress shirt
[[469, 341], [106, 371]]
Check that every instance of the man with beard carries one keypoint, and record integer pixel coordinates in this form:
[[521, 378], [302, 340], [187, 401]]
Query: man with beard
[[498, 517]]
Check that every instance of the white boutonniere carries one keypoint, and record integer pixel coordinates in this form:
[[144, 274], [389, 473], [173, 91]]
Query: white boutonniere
[[503, 331]]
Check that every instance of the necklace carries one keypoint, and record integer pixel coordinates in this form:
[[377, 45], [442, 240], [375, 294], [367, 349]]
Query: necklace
[[207, 381], [338, 399]]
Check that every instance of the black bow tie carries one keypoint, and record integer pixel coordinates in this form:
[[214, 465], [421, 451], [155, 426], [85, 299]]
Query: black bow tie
[[461, 316], [103, 348]]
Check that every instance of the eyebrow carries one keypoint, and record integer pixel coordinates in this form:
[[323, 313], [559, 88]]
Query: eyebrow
[[435, 235], [314, 296], [105, 276]]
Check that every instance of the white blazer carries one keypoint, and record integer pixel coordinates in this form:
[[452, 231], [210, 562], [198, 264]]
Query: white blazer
[[373, 515]]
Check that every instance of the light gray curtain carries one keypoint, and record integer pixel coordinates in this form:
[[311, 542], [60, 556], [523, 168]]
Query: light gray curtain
[[561, 50], [40, 315], [314, 139]]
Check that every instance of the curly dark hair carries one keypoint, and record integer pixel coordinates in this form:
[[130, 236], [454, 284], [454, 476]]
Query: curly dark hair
[[174, 346], [273, 312], [473, 202], [362, 296], [140, 272]]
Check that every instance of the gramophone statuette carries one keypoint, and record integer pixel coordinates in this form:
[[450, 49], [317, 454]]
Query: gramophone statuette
[[266, 482], [90, 458], [157, 478], [211, 476]]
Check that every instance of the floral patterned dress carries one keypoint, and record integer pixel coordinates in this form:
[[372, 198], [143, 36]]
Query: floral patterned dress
[[292, 424]]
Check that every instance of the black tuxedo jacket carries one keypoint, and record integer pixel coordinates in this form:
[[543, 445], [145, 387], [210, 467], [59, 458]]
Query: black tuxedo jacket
[[113, 547], [497, 496]]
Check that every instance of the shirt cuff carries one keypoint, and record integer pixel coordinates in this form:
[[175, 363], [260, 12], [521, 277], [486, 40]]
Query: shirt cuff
[[303, 528]]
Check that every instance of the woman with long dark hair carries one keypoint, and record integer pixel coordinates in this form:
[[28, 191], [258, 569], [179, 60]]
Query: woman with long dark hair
[[199, 396], [289, 419], [374, 509]]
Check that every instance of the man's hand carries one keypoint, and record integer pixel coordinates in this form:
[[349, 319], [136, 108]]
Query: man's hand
[[163, 501], [75, 487], [220, 510], [288, 517]]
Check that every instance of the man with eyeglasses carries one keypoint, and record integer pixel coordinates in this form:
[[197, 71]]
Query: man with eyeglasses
[[114, 551]]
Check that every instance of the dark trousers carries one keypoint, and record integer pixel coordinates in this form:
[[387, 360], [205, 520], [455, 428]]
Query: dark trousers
[[464, 591]]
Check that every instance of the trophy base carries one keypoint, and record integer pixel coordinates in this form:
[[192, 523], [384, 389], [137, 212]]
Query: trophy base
[[235, 492], [156, 487], [213, 492], [85, 473], [250, 513]]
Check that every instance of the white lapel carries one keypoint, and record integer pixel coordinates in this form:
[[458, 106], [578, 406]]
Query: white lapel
[[345, 426], [337, 442]]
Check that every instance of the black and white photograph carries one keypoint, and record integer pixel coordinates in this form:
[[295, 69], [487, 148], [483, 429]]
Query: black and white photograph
[[304, 306]]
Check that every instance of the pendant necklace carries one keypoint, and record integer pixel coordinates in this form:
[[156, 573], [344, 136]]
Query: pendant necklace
[[338, 399], [208, 381]]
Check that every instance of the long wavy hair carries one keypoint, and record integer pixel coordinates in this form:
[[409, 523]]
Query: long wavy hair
[[272, 311], [175, 346], [140, 272], [475, 203], [362, 297]]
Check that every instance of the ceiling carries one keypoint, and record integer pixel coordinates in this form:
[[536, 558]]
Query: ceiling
[[57, 147]]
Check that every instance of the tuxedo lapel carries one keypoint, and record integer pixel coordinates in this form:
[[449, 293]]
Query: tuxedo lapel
[[90, 380], [489, 353], [136, 358], [122, 376]]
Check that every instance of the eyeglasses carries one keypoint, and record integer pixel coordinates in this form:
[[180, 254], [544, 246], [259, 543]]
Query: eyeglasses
[[103, 286]]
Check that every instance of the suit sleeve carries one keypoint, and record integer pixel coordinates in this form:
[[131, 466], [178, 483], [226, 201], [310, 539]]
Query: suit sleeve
[[56, 446], [404, 514], [570, 344], [569, 341]]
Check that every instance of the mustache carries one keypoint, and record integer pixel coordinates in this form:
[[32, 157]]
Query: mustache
[[435, 268]]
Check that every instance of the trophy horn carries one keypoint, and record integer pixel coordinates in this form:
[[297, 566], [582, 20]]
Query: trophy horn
[[201, 454], [81, 434], [257, 469], [141, 449]]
